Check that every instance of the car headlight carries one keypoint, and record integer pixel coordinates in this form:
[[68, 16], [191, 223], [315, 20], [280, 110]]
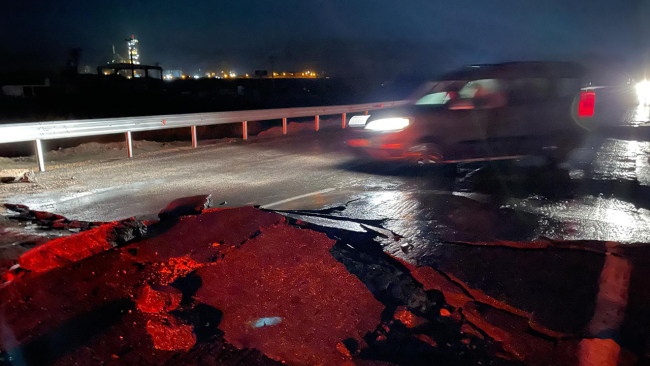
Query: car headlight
[[643, 91], [387, 124]]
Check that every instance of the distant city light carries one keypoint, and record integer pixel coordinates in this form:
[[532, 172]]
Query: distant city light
[[177, 74], [134, 54]]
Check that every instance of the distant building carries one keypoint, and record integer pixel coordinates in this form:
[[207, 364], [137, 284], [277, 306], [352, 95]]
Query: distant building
[[172, 74], [131, 71], [117, 58], [134, 52]]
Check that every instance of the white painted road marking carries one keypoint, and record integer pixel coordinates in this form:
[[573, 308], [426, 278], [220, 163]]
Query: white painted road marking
[[298, 197]]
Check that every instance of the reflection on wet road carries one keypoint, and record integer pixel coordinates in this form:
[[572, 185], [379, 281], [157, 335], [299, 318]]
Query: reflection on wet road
[[601, 193], [565, 246]]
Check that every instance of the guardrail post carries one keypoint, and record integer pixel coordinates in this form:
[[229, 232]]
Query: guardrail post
[[39, 155], [129, 144], [284, 126], [343, 120], [194, 141], [317, 122], [245, 128]]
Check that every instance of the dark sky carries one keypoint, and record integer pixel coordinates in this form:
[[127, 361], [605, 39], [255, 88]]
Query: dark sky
[[342, 37]]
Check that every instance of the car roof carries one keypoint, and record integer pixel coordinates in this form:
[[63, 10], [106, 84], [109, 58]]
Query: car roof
[[510, 70]]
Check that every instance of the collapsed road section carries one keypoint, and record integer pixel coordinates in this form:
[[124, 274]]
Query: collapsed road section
[[245, 286]]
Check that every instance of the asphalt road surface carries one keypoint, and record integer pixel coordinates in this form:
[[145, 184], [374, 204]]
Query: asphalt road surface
[[600, 193], [468, 235]]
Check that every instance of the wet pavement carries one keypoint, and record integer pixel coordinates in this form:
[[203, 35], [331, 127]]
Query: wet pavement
[[500, 263], [600, 193]]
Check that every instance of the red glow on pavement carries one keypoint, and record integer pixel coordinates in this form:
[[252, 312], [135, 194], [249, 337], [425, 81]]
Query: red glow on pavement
[[587, 104], [407, 318], [169, 334], [288, 274], [426, 339], [341, 348], [157, 301], [177, 267], [63, 251]]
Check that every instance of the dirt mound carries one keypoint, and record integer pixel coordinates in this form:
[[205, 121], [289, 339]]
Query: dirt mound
[[96, 147], [294, 127]]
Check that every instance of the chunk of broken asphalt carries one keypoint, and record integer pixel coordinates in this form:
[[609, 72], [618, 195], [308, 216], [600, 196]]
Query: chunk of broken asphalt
[[19, 176], [193, 205]]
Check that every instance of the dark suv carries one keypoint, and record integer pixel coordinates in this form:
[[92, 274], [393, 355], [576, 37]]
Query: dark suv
[[489, 112]]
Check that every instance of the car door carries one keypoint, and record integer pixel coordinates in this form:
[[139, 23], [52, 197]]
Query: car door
[[475, 115], [530, 116]]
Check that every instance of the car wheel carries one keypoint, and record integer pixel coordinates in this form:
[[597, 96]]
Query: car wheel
[[427, 153]]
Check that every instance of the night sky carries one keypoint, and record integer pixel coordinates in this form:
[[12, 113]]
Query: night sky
[[342, 37]]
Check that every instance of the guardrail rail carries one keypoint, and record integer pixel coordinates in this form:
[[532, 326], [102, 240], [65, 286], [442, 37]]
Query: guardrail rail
[[38, 131]]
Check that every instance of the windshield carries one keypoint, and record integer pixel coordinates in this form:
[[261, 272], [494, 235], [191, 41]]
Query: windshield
[[437, 93]]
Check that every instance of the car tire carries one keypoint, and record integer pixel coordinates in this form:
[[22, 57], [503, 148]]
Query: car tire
[[428, 153]]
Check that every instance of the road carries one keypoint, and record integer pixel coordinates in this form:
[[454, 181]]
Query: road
[[468, 238], [601, 193]]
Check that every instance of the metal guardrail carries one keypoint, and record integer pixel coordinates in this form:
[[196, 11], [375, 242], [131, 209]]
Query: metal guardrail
[[38, 131]]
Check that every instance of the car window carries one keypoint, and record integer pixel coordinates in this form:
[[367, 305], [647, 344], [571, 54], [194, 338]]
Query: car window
[[479, 88], [434, 99], [438, 92], [526, 90], [480, 94]]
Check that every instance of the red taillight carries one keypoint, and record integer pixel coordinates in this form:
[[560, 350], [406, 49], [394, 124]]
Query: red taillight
[[587, 104]]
